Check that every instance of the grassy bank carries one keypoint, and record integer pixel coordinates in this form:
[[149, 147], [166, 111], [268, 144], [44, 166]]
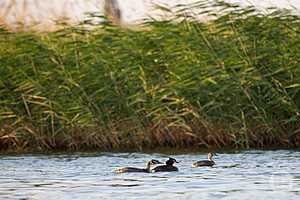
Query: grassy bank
[[233, 81]]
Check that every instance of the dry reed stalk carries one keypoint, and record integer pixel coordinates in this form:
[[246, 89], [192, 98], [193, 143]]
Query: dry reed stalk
[[23, 15], [26, 106], [6, 11], [111, 11]]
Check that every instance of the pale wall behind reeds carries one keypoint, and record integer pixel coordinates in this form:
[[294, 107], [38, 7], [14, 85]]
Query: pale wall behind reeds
[[43, 13]]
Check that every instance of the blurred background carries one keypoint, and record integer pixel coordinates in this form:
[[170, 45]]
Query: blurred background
[[44, 13]]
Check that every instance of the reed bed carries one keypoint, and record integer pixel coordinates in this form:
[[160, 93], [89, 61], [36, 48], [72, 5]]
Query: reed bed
[[232, 81]]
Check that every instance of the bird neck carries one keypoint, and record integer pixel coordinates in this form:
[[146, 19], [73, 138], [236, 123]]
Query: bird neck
[[169, 163], [148, 166], [210, 157]]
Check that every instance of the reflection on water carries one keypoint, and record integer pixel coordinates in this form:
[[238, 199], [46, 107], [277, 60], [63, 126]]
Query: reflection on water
[[236, 175]]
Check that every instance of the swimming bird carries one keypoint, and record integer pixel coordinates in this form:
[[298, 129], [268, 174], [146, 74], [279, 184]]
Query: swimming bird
[[203, 163], [166, 168], [133, 169]]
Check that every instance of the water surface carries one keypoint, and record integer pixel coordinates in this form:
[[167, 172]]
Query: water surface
[[237, 175]]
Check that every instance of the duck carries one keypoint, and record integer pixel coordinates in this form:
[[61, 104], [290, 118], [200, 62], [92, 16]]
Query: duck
[[133, 169], [208, 163], [166, 168]]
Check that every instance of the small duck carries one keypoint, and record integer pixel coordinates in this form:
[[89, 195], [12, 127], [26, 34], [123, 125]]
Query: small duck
[[133, 169], [166, 168], [203, 163]]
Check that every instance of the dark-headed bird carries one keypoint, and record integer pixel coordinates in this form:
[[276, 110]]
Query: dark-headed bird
[[166, 168]]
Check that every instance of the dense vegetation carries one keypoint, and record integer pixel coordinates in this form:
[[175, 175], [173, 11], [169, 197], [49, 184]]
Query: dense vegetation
[[231, 81]]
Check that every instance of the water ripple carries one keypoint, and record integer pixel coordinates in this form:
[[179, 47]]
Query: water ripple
[[236, 175]]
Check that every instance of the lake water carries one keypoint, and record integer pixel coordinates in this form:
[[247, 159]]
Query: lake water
[[239, 175]]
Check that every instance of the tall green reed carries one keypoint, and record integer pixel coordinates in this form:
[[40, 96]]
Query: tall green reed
[[231, 81]]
